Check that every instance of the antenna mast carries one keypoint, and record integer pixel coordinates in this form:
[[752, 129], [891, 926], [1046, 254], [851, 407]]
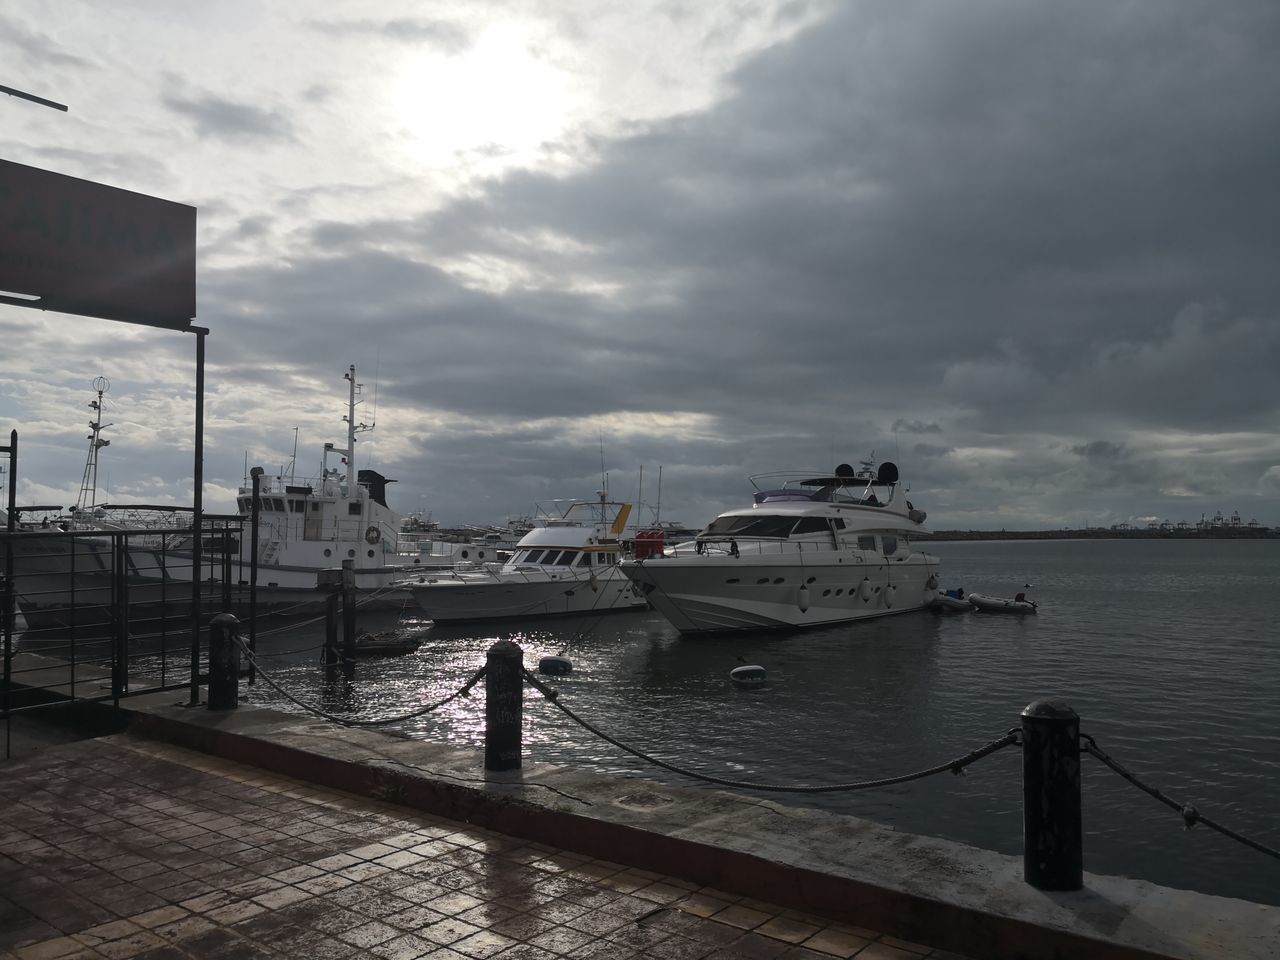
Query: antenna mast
[[89, 482]]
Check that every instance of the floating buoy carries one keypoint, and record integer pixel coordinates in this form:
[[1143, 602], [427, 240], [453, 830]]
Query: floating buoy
[[749, 676], [802, 598], [555, 665]]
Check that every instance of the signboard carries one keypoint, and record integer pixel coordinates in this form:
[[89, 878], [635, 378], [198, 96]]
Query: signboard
[[81, 247]]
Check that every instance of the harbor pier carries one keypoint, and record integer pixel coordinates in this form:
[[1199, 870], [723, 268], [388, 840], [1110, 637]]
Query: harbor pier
[[250, 832]]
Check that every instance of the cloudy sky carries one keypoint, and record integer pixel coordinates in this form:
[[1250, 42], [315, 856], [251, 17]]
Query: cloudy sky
[[1030, 251]]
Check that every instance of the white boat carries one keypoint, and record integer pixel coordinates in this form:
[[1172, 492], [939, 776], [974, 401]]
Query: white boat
[[566, 564], [956, 601], [1017, 604], [340, 515], [818, 549], [304, 528]]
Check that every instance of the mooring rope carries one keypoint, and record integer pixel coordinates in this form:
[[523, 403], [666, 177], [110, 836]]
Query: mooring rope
[[955, 766], [1190, 815], [355, 722]]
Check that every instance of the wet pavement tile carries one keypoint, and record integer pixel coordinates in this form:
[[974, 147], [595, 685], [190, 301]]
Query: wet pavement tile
[[126, 848]]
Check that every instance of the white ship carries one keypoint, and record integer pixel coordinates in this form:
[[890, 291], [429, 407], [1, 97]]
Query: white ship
[[566, 564], [809, 550]]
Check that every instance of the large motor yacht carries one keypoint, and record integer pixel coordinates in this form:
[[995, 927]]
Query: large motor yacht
[[566, 564], [809, 550]]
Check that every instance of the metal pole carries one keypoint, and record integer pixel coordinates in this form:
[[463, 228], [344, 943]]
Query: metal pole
[[503, 706], [197, 516], [1053, 848], [331, 638], [11, 524], [255, 512], [348, 619]]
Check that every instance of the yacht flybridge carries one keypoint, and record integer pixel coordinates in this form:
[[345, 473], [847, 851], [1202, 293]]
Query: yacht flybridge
[[810, 550]]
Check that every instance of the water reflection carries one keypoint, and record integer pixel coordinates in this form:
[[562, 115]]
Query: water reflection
[[1165, 649]]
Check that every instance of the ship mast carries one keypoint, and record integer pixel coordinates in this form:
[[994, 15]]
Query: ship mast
[[89, 482], [352, 427]]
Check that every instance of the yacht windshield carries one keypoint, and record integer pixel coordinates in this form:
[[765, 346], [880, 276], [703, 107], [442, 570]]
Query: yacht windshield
[[752, 526]]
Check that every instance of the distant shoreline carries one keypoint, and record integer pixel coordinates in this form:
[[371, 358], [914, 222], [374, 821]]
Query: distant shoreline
[[1217, 533]]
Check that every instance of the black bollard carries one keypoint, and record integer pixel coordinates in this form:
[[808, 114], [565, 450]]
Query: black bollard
[[224, 662], [1053, 849], [503, 706], [331, 655]]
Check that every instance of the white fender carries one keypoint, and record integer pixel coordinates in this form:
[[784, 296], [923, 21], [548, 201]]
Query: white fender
[[932, 582], [864, 588], [802, 598], [889, 591]]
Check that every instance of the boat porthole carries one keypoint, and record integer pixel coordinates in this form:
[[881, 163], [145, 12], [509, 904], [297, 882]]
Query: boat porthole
[[371, 554], [351, 553], [811, 580], [779, 579], [762, 580], [733, 580], [826, 593], [840, 592], [328, 552]]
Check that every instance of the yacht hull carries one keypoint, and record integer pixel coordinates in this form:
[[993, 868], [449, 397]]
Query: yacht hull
[[502, 597], [739, 594]]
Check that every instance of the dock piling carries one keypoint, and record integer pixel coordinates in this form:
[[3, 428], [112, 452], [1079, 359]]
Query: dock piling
[[503, 706], [1053, 850], [348, 619]]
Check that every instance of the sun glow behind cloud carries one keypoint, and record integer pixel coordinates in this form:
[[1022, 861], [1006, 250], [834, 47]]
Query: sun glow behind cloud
[[488, 108]]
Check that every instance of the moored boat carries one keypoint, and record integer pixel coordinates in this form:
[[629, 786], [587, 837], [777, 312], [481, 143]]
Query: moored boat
[[954, 601], [818, 549], [1016, 604], [566, 564]]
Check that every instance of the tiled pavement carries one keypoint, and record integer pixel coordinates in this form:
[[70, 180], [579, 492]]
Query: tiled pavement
[[127, 848]]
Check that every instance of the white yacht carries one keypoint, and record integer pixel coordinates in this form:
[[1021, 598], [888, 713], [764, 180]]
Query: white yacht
[[567, 563], [809, 550]]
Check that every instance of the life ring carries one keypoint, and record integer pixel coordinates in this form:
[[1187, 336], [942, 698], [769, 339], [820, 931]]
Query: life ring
[[372, 535]]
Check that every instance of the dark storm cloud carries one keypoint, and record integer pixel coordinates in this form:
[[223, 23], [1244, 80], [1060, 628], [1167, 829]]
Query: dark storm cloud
[[225, 119], [1009, 200], [441, 34], [1015, 228]]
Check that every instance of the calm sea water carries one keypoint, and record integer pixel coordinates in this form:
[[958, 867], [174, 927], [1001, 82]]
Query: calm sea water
[[1168, 650]]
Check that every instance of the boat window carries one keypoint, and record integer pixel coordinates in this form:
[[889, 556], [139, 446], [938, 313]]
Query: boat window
[[297, 506], [531, 556], [838, 523], [566, 558], [812, 525], [751, 526], [890, 545], [866, 543], [278, 504], [353, 509], [315, 507], [242, 504], [550, 557], [584, 560]]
